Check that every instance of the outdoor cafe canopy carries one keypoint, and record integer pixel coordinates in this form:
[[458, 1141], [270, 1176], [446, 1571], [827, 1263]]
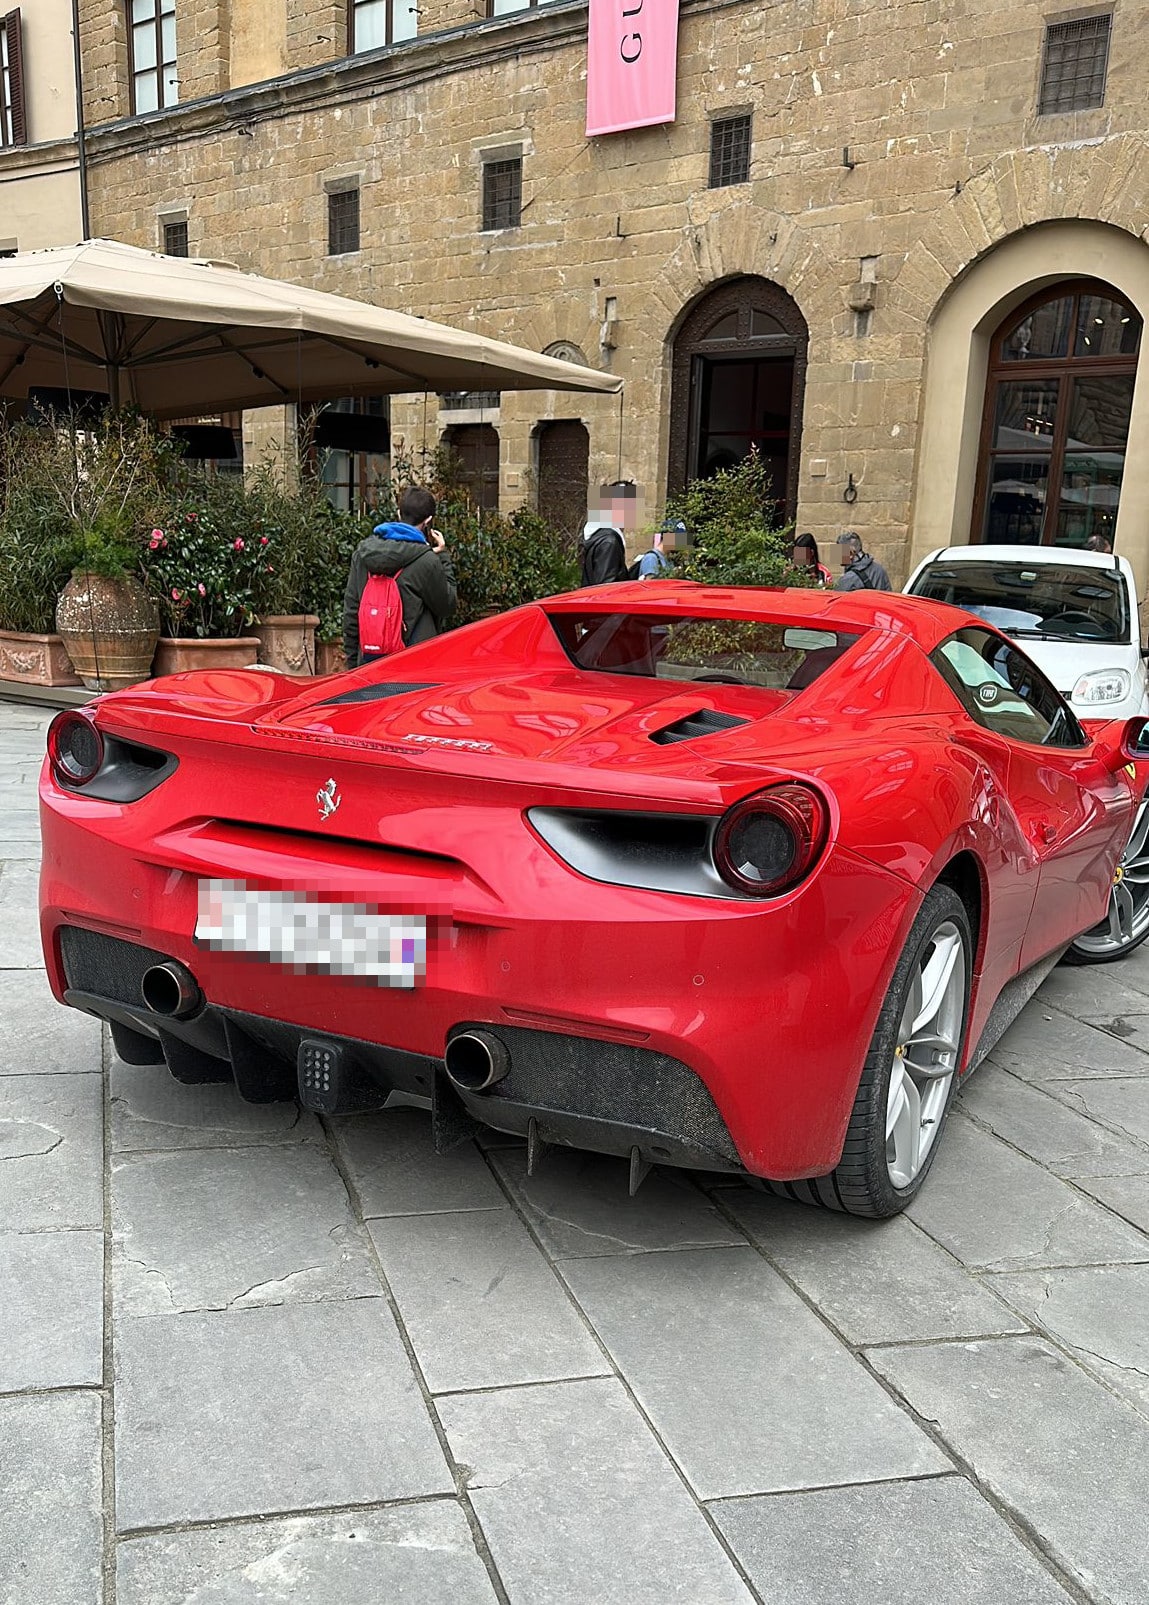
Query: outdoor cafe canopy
[[176, 337]]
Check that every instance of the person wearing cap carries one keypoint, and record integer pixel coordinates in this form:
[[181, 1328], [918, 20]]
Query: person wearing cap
[[655, 564], [860, 571]]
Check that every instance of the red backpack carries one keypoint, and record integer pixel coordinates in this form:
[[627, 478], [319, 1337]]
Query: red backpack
[[380, 617]]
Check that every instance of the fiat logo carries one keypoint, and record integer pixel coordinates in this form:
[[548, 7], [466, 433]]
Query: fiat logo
[[328, 799]]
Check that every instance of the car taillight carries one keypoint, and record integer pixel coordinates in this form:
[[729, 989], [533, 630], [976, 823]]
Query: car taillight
[[768, 842], [75, 748]]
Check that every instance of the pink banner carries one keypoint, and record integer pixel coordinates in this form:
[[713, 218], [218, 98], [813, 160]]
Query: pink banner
[[632, 56]]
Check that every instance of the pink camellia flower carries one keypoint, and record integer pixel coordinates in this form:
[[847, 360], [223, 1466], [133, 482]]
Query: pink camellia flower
[[201, 588], [270, 570], [190, 517], [238, 545], [263, 540], [175, 594]]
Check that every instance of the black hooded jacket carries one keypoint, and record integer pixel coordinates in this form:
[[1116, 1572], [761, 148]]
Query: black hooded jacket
[[603, 556], [426, 581]]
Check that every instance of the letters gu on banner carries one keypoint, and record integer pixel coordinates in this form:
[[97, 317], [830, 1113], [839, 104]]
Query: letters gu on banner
[[632, 58]]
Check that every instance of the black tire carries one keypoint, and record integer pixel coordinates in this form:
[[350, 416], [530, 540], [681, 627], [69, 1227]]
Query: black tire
[[861, 1184]]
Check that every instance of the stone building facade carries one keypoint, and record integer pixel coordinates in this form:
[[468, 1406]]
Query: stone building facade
[[922, 178], [39, 167]]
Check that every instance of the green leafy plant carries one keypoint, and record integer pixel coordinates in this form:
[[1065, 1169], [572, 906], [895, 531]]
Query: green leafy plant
[[736, 538], [206, 560]]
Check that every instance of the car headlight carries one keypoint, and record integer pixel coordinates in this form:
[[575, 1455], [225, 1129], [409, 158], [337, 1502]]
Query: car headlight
[[1106, 685]]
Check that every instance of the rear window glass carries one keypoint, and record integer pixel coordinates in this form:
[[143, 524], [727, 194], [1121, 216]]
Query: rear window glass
[[778, 657], [1044, 601]]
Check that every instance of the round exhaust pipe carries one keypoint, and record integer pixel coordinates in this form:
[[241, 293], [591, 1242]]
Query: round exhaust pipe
[[171, 990], [475, 1060]]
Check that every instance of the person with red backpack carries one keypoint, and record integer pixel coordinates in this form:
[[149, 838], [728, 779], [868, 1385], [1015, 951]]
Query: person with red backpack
[[401, 589]]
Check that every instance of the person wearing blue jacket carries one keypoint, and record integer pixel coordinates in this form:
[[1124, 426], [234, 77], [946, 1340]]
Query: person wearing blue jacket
[[416, 554]]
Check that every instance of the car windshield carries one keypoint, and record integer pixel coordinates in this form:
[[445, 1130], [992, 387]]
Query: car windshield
[[751, 652], [1061, 601]]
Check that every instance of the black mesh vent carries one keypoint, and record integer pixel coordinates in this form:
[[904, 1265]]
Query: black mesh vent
[[379, 692], [703, 723], [105, 965]]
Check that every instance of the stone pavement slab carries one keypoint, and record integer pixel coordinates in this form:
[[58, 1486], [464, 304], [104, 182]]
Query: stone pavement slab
[[40, 1037], [997, 1210], [877, 1281], [229, 1228], [481, 1306], [1100, 1312], [51, 1310], [1127, 1196], [746, 1387], [1042, 1125], [288, 1408], [151, 1110], [51, 1527], [19, 917], [1098, 990], [579, 1504], [393, 1166], [1122, 1105], [579, 1205], [51, 1152], [898, 1543], [423, 1554], [1051, 1442], [1044, 1045]]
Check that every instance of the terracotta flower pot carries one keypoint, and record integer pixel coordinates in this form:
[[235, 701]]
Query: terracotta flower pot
[[110, 629], [287, 642], [329, 657], [177, 655], [35, 659]]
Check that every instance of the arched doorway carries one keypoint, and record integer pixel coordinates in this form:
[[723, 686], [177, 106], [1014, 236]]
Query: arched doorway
[[738, 377], [563, 474], [1059, 393]]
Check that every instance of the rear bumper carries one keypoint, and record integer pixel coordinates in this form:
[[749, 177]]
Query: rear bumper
[[706, 1033]]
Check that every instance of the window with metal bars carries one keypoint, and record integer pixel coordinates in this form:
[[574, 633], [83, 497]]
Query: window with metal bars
[[152, 52], [502, 193], [342, 221], [729, 151], [176, 237], [1074, 64], [372, 23], [13, 129]]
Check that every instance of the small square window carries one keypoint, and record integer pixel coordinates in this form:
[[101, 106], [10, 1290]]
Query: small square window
[[176, 237], [503, 193], [729, 151], [1074, 64], [342, 221]]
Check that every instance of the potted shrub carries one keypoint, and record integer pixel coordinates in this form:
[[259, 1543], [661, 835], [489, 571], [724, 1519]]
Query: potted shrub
[[204, 563], [78, 495], [36, 550], [302, 592]]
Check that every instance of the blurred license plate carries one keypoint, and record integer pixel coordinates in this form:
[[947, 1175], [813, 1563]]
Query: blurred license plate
[[307, 935]]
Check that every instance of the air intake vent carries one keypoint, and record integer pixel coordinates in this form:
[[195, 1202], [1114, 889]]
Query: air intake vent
[[379, 692], [703, 723]]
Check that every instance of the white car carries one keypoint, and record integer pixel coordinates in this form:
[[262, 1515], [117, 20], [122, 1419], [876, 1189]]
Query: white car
[[1074, 612]]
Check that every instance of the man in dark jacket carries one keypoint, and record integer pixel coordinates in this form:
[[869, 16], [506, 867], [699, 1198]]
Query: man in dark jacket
[[418, 558], [860, 571], [604, 534]]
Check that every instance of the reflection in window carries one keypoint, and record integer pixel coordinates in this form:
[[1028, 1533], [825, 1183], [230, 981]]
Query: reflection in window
[[1055, 439], [1004, 691]]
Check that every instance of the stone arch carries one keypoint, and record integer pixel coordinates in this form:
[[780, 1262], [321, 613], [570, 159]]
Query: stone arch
[[971, 297]]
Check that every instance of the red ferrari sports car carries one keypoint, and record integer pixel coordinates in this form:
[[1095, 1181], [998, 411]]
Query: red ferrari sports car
[[740, 880]]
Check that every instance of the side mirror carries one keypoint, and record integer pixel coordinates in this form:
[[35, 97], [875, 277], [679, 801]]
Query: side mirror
[[1135, 740]]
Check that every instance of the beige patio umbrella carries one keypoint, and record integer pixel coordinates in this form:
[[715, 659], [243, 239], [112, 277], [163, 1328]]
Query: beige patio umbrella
[[176, 337]]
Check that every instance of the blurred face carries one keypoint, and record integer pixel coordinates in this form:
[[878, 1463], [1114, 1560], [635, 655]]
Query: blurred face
[[621, 511], [846, 555], [801, 557]]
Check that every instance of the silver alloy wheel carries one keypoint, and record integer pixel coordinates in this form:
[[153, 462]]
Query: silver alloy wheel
[[1127, 917], [929, 1040]]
